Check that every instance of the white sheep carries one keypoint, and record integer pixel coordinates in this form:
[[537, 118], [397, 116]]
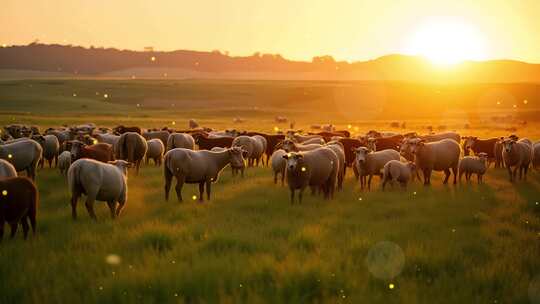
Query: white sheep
[[396, 171], [64, 161], [470, 165]]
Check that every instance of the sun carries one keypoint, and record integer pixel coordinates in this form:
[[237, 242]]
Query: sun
[[447, 41]]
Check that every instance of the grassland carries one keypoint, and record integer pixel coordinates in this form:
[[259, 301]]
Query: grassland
[[461, 244]]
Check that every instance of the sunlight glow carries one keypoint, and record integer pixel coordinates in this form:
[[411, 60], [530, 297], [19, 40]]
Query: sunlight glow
[[447, 41]]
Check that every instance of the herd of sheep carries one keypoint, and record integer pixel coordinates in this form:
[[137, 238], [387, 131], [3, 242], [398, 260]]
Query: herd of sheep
[[95, 161]]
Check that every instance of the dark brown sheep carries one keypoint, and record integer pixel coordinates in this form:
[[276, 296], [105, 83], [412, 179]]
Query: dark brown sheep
[[101, 152], [349, 146], [121, 129], [18, 204], [206, 143]]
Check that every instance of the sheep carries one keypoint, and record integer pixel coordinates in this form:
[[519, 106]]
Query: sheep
[[102, 152], [64, 161], [98, 181], [180, 140], [206, 143], [19, 200], [250, 145], [7, 169], [23, 155], [278, 165], [319, 141], [192, 124], [441, 155], [497, 152], [131, 147], [383, 143], [480, 146], [302, 138], [51, 147], [369, 163], [536, 155], [517, 154], [440, 136], [155, 151], [469, 165], [260, 148], [339, 149], [197, 167], [123, 129], [161, 135], [317, 169], [398, 171], [271, 142], [107, 138], [234, 168], [290, 146]]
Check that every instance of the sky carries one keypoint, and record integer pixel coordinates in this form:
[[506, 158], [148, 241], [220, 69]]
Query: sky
[[345, 29]]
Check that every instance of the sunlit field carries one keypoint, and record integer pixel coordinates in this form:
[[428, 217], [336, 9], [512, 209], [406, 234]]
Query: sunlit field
[[467, 243]]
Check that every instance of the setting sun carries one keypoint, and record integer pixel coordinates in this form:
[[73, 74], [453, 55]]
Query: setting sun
[[447, 41]]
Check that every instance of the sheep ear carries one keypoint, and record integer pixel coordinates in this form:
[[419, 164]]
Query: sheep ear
[[286, 156]]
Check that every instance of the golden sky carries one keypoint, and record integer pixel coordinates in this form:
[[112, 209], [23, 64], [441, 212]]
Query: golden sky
[[345, 29]]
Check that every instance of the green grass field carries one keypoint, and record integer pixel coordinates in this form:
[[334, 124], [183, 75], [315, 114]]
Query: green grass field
[[444, 244]]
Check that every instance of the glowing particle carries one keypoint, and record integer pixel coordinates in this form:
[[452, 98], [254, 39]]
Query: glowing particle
[[349, 126], [113, 273], [173, 262], [153, 58], [176, 295], [303, 169], [173, 123], [241, 286], [10, 156], [356, 129], [196, 63], [498, 102], [105, 95], [525, 101], [276, 129], [133, 77], [536, 203], [453, 230], [359, 198], [95, 141], [289, 154], [138, 105], [4, 192], [391, 286], [74, 94], [514, 106], [100, 287], [4, 45], [113, 259], [97, 93], [194, 197], [165, 74], [414, 193]]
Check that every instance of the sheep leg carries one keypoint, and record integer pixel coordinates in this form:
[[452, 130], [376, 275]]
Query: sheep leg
[[283, 177], [275, 177], [1, 229], [112, 207], [455, 171], [427, 176], [369, 182], [13, 226], [208, 189], [525, 169], [24, 223], [201, 192], [90, 206], [168, 180], [178, 188], [510, 173], [292, 196], [460, 175], [300, 195], [446, 175], [56, 160], [384, 181], [478, 178], [74, 199]]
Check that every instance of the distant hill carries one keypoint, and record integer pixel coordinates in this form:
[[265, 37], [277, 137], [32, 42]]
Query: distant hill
[[42, 60]]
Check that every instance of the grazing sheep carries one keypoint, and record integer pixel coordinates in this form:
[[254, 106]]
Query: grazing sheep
[[517, 154], [382, 143], [206, 143], [98, 181], [302, 138], [7, 169], [155, 151], [396, 171], [101, 152], [338, 148], [470, 165], [278, 165], [536, 155], [180, 140], [317, 169], [197, 167], [23, 155], [51, 147], [349, 146], [131, 147], [19, 200], [369, 163], [64, 161], [441, 155], [107, 138], [290, 146]]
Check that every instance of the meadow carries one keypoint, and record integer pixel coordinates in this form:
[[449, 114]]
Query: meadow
[[441, 244]]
